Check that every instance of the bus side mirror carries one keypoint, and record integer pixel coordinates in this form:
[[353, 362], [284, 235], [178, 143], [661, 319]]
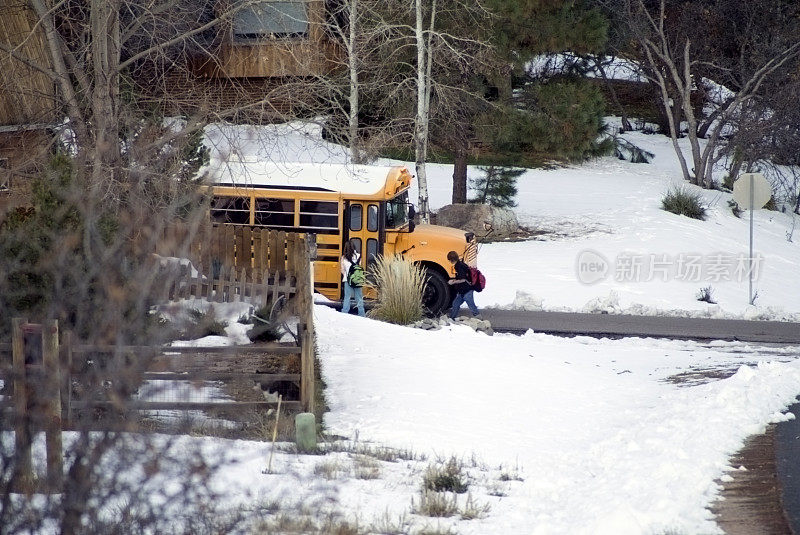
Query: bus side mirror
[[412, 218]]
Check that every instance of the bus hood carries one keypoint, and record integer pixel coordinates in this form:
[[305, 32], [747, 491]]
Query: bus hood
[[440, 232]]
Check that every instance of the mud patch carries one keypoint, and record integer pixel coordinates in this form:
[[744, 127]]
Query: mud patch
[[750, 504]]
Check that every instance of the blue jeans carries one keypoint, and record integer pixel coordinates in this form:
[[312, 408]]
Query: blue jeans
[[466, 298], [349, 292]]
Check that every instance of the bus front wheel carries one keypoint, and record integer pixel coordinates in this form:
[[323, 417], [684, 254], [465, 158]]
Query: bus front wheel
[[436, 297]]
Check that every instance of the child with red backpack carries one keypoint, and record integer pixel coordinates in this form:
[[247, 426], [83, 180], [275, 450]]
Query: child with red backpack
[[464, 284]]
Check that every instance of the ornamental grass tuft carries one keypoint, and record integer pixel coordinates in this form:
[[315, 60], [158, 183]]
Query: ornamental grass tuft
[[399, 283]]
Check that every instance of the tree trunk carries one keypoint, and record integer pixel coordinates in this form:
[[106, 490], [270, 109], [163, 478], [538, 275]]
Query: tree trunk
[[460, 175], [421, 120], [104, 20], [355, 153], [736, 166]]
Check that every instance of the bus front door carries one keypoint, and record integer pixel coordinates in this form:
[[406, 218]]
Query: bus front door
[[363, 227]]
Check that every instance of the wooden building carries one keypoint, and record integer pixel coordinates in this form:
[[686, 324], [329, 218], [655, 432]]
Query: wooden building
[[244, 62], [27, 102], [273, 38], [252, 57]]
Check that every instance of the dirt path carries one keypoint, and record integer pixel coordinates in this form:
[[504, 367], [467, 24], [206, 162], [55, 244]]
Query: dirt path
[[751, 503]]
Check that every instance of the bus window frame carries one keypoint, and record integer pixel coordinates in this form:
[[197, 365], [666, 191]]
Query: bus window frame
[[328, 215], [248, 202]]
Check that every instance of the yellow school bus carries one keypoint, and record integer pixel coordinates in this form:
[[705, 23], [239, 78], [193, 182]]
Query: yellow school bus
[[337, 203]]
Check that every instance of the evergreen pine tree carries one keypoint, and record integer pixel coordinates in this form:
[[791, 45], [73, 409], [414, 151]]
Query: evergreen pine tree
[[552, 112], [497, 187]]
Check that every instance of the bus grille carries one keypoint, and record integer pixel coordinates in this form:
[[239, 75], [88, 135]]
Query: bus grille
[[471, 254]]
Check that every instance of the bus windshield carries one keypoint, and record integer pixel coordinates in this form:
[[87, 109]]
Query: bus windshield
[[397, 211]]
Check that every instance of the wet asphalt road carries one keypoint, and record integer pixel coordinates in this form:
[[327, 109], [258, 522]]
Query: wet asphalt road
[[620, 325]]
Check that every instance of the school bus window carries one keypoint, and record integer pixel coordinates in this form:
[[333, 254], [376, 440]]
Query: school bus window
[[274, 212], [397, 211], [356, 244], [319, 215], [230, 210], [356, 215], [372, 250], [320, 207], [372, 218]]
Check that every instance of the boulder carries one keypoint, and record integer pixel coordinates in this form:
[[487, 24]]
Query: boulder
[[475, 218], [434, 324]]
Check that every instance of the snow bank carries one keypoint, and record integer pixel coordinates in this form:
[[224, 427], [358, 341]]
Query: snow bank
[[605, 445]]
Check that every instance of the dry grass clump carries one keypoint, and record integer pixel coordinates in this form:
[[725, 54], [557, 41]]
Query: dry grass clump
[[400, 284], [445, 477]]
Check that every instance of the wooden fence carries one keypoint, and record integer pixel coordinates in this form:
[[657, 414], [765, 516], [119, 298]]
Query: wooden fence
[[237, 247], [225, 285], [51, 381]]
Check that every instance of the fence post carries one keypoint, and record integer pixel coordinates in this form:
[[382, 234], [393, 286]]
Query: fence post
[[66, 367], [52, 405], [306, 369], [23, 438], [304, 291]]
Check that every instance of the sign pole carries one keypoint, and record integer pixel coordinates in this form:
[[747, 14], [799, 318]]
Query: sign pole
[[752, 187], [755, 191]]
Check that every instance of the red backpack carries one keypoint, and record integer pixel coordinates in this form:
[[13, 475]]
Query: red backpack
[[477, 279]]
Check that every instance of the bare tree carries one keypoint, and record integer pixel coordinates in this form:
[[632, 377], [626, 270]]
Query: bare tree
[[118, 174], [674, 70]]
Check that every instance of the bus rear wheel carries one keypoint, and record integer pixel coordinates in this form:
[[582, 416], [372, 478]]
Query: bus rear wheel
[[436, 297]]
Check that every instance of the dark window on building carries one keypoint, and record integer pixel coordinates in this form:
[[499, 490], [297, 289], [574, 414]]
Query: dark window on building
[[356, 216], [274, 212], [230, 210], [271, 19], [372, 218], [319, 215]]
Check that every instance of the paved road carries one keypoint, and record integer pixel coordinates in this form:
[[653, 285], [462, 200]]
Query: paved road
[[618, 325]]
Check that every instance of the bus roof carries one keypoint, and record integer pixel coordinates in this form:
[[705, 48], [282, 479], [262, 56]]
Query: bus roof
[[347, 179]]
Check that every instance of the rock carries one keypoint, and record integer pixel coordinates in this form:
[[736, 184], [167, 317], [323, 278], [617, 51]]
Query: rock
[[434, 324], [473, 217]]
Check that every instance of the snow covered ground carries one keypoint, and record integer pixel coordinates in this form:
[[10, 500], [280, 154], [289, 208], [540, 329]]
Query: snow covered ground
[[604, 443], [555, 436]]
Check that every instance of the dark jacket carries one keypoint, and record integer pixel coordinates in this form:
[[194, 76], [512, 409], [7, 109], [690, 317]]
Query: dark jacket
[[462, 272]]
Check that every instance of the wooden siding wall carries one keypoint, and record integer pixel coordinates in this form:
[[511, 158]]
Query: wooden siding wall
[[257, 100], [280, 57], [26, 95], [24, 153]]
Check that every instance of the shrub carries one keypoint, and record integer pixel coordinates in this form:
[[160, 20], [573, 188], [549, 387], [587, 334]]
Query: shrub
[[706, 294], [680, 200], [204, 324], [436, 504], [447, 477], [400, 284]]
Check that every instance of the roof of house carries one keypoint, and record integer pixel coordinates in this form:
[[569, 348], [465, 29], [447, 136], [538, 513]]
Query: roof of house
[[348, 179]]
